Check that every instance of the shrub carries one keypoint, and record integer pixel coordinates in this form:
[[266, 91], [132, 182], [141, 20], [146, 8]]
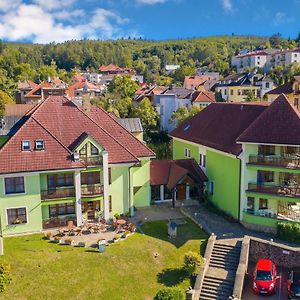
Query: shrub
[[170, 293], [289, 231], [192, 262], [5, 278]]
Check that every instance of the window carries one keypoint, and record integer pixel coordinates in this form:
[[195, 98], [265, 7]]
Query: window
[[263, 203], [14, 185], [212, 187], [250, 204], [94, 150], [295, 54], [187, 152], [90, 178], [110, 203], [266, 150], [267, 85], [25, 145], [39, 145], [109, 175], [60, 180], [296, 102], [239, 92], [231, 92], [225, 92], [258, 62], [83, 151], [61, 209], [200, 159], [16, 216], [265, 176], [204, 161]]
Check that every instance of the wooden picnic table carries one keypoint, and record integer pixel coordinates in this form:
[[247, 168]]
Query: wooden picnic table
[[121, 222]]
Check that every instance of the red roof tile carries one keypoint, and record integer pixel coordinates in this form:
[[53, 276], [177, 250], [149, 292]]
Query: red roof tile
[[191, 82], [80, 85], [219, 125], [26, 85], [204, 96], [278, 124], [17, 109]]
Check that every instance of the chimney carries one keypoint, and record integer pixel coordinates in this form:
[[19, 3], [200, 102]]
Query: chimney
[[49, 79]]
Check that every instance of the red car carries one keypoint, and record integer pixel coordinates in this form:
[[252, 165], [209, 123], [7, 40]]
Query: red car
[[264, 277]]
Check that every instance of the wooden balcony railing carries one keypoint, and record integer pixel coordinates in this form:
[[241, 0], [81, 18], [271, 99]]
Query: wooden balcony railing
[[287, 191], [59, 193], [59, 221], [287, 161], [92, 190], [92, 160]]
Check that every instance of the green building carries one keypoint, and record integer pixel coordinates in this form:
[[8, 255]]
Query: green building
[[67, 163], [251, 156]]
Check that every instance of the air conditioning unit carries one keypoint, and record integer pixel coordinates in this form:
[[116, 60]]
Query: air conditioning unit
[[76, 156]]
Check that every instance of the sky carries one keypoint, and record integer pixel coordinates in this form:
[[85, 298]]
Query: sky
[[44, 21]]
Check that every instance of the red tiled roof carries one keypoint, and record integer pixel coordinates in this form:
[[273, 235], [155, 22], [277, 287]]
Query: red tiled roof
[[110, 68], [278, 124], [39, 86], [17, 109], [78, 78], [204, 96], [26, 85], [170, 172], [80, 85], [191, 82], [219, 125], [64, 123]]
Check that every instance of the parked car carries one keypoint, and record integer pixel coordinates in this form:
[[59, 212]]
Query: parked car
[[293, 284], [264, 277]]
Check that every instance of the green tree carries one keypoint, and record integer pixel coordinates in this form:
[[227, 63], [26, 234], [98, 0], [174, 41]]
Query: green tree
[[4, 99], [123, 107], [250, 97], [192, 263], [182, 114], [183, 71], [122, 87]]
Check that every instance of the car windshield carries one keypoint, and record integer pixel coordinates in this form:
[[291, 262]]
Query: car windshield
[[263, 275]]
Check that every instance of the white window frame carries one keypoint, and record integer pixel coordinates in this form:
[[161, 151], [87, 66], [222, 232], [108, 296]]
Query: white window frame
[[14, 194], [187, 152], [38, 141], [16, 207], [22, 145]]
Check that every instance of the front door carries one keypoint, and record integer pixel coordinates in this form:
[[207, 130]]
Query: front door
[[181, 191], [90, 207]]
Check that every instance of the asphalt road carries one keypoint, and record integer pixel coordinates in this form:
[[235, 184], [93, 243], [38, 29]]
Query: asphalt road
[[281, 291]]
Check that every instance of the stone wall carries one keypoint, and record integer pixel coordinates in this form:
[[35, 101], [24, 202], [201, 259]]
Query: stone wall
[[281, 255]]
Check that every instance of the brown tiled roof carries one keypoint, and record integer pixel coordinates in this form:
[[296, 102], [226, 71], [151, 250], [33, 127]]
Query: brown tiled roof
[[191, 82], [286, 88], [278, 124], [170, 172], [26, 85], [80, 85], [39, 86], [17, 109], [219, 125], [110, 68], [204, 96], [61, 124]]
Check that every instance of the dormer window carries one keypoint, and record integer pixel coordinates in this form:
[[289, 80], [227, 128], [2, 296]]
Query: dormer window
[[94, 150], [39, 145], [25, 145]]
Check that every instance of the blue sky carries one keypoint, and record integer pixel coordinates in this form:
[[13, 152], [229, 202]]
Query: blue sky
[[42, 21]]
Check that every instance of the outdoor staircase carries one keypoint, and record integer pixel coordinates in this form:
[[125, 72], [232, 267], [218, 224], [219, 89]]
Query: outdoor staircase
[[219, 279]]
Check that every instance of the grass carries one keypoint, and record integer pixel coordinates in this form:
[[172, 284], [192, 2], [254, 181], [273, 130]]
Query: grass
[[127, 270]]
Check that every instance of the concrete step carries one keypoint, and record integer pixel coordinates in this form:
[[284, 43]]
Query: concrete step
[[218, 289], [205, 295], [227, 258], [214, 280]]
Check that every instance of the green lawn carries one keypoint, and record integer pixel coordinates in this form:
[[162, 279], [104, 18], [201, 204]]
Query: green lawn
[[127, 270]]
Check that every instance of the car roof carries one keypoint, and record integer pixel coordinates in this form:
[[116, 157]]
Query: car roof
[[264, 264]]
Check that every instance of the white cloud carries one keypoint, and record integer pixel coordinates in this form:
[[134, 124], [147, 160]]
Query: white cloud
[[282, 18], [227, 5], [150, 2], [53, 4], [34, 22]]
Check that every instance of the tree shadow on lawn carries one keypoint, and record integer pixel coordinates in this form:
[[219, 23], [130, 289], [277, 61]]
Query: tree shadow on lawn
[[185, 233], [172, 276]]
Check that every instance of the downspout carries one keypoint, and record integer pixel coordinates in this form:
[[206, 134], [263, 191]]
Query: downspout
[[240, 182], [130, 200]]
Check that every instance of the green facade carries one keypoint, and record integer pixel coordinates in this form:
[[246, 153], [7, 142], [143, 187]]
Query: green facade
[[179, 147]]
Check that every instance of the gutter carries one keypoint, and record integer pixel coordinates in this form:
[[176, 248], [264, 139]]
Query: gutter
[[240, 182]]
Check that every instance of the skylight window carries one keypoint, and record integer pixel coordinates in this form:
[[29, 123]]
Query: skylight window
[[187, 127], [25, 145], [39, 145]]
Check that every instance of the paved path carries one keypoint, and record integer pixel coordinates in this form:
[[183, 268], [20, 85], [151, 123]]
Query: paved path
[[222, 228]]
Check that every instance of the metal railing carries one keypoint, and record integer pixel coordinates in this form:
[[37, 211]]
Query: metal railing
[[287, 161]]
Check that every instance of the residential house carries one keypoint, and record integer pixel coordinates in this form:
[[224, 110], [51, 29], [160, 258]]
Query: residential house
[[176, 180], [134, 126], [149, 92], [115, 70], [64, 163], [23, 88], [171, 68], [203, 98], [168, 102], [80, 89], [251, 156], [194, 82], [290, 89]]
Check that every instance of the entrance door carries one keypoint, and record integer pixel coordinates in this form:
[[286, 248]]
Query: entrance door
[[90, 207], [181, 191]]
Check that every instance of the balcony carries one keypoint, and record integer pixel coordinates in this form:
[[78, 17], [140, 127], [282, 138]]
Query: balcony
[[92, 190], [285, 191], [59, 193], [289, 161], [92, 160]]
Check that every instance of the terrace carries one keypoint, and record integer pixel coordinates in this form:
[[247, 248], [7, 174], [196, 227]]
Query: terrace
[[290, 161]]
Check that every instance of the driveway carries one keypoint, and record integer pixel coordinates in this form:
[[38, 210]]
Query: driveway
[[281, 292]]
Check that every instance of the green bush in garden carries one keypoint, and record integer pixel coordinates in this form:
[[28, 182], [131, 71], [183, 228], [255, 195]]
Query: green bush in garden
[[289, 231], [170, 293]]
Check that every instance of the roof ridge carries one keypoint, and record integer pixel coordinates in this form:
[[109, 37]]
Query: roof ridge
[[104, 130], [125, 128]]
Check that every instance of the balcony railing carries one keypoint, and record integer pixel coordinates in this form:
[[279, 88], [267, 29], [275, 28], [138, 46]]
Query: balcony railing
[[59, 221], [92, 190], [59, 193], [273, 215], [287, 191], [287, 161], [91, 160]]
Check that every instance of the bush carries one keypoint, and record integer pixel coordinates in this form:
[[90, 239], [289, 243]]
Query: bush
[[289, 231], [192, 262], [170, 293], [5, 278]]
